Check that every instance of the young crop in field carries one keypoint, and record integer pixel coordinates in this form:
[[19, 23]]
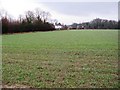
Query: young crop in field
[[78, 59]]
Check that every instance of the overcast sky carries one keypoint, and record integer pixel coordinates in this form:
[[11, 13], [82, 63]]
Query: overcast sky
[[64, 11]]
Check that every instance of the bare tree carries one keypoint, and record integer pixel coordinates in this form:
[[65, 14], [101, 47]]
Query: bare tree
[[20, 18], [3, 13], [38, 15], [55, 21], [45, 16], [30, 16], [42, 15]]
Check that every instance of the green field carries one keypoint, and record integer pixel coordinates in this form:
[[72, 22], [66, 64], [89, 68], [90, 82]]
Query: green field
[[85, 58]]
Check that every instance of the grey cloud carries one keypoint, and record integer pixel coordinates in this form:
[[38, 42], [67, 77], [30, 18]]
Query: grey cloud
[[83, 8]]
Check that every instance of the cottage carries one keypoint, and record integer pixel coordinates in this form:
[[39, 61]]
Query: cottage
[[58, 27]]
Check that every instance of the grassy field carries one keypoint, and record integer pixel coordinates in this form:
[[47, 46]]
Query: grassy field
[[87, 58]]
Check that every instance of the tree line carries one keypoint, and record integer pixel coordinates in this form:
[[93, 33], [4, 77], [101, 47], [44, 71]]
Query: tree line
[[97, 24], [36, 20], [39, 20]]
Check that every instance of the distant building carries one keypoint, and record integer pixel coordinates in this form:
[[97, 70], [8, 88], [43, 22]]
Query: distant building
[[69, 27], [76, 26], [58, 27]]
